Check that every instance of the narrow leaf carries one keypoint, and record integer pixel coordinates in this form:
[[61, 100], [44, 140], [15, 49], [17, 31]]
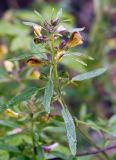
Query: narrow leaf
[[22, 97], [22, 56], [48, 95], [70, 128], [79, 55], [9, 148], [29, 23], [76, 29], [39, 15], [80, 61], [88, 75], [59, 14]]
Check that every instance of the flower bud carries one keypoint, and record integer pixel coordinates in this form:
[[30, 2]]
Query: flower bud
[[11, 113], [62, 30], [37, 30], [3, 51], [34, 74], [75, 39], [55, 22], [62, 44], [59, 55], [50, 147], [49, 27], [45, 118], [15, 131], [8, 66], [40, 39], [33, 62]]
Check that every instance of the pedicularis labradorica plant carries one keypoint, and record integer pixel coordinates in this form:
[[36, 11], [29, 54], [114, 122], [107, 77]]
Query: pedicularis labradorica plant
[[57, 42]]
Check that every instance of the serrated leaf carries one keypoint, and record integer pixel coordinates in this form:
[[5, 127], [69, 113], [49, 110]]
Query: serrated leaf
[[22, 97], [49, 89], [76, 29], [70, 128], [88, 75]]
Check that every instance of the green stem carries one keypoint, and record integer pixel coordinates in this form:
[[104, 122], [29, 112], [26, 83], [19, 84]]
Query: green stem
[[92, 143], [61, 100], [33, 139]]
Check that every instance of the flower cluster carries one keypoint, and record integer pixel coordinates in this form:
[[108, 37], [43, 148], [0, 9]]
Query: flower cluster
[[52, 31]]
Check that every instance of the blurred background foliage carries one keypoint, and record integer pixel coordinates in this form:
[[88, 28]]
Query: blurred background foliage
[[92, 101]]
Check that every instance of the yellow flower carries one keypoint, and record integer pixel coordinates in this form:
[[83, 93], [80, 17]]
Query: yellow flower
[[75, 39], [33, 62], [8, 65], [37, 30], [34, 74], [3, 51], [45, 118], [59, 55], [11, 113]]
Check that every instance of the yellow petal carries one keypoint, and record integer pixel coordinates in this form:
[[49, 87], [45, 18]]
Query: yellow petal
[[3, 51], [59, 55], [37, 30], [8, 66], [11, 113], [75, 39], [34, 75], [33, 62]]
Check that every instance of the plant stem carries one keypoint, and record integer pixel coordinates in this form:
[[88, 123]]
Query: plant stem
[[92, 143], [58, 91], [33, 139], [97, 151]]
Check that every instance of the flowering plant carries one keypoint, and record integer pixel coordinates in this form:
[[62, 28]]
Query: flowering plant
[[54, 42]]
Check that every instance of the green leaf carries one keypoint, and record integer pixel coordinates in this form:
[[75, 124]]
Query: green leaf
[[40, 153], [4, 155], [59, 14], [9, 148], [22, 97], [60, 155], [80, 61], [29, 23], [22, 56], [7, 124], [88, 75], [70, 128], [79, 55], [48, 95], [39, 15], [39, 50], [76, 29], [35, 50], [21, 42]]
